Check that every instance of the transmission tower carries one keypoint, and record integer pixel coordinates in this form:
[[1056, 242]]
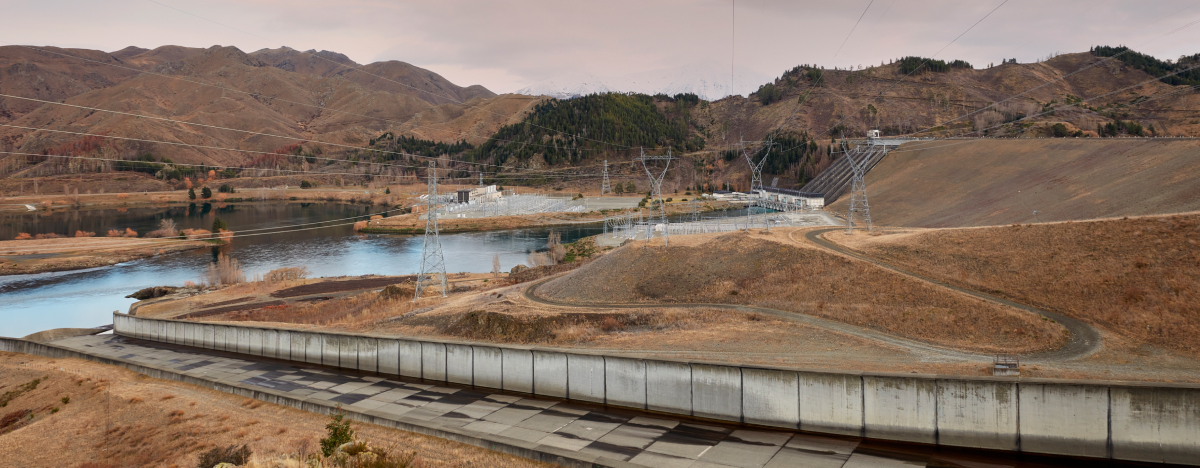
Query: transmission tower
[[604, 185], [858, 190], [656, 192], [433, 263], [755, 169]]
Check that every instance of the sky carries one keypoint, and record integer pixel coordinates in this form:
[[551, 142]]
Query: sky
[[507, 45]]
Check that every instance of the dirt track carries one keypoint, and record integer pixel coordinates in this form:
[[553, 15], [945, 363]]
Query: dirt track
[[1084, 339]]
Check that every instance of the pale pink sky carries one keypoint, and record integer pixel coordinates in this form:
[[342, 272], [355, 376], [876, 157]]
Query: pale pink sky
[[508, 45]]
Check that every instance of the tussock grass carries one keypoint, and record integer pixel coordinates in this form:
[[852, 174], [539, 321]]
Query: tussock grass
[[740, 268], [1139, 278]]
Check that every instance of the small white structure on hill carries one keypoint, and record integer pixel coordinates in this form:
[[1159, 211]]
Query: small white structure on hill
[[482, 194]]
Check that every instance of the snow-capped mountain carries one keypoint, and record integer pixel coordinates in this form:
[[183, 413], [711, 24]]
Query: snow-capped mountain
[[708, 81]]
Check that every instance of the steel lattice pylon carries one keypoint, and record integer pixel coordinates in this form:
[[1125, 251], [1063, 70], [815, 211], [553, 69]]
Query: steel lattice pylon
[[604, 185], [432, 260], [656, 193], [755, 169], [858, 190]]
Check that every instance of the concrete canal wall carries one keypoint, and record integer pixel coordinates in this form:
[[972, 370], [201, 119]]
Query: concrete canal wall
[[1152, 422]]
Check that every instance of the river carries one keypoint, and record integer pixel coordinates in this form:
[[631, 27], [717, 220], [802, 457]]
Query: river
[[87, 298]]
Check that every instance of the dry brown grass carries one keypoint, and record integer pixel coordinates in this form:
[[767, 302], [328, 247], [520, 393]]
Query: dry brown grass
[[1139, 278], [572, 328], [750, 269], [352, 311], [101, 425]]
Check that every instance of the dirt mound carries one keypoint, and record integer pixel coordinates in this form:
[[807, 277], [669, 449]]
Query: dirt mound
[[997, 182], [1136, 277], [749, 269], [342, 286]]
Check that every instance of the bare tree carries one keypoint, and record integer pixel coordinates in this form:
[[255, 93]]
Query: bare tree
[[496, 265]]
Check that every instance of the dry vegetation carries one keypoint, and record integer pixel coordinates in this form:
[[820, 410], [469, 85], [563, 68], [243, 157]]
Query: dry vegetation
[[1138, 278], [72, 253], [755, 270], [81, 413]]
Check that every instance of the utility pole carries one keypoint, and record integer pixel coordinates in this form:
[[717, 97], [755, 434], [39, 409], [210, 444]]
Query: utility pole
[[432, 260], [604, 185], [656, 191]]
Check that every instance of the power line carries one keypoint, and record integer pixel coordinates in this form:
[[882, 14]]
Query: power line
[[303, 140], [359, 69], [275, 98], [290, 171]]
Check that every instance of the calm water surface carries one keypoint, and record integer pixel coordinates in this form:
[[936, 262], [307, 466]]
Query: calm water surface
[[85, 298]]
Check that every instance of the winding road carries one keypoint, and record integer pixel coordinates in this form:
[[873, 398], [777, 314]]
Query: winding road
[[1083, 341]]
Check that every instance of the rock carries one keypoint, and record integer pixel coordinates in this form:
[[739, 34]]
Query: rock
[[153, 292]]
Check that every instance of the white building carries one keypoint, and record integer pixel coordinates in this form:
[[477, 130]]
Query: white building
[[795, 198]]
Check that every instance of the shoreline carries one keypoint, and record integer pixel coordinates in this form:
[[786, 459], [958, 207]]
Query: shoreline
[[67, 254]]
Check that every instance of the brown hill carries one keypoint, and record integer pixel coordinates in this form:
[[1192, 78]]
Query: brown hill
[[881, 97], [996, 182], [223, 86]]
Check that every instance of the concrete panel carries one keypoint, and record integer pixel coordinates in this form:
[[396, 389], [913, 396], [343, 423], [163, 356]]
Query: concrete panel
[[585, 378], [897, 408], [284, 348], [831, 403], [489, 367], [256, 341], [625, 382], [347, 349], [717, 392], [208, 338], [156, 333], [980, 414], [176, 332], [410, 358], [194, 335], [299, 344], [330, 349], [389, 359], [169, 332], [433, 361], [460, 365], [1157, 425], [219, 337], [518, 370], [550, 374], [1064, 419], [669, 387], [313, 349], [771, 398], [270, 346], [368, 354], [243, 340]]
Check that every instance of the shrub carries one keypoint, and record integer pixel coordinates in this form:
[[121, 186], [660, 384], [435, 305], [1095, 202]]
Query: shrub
[[166, 228], [47, 236], [195, 234], [23, 236], [218, 225], [206, 192], [119, 233], [84, 234], [305, 184], [225, 271], [360, 225], [232, 454], [339, 433], [226, 188]]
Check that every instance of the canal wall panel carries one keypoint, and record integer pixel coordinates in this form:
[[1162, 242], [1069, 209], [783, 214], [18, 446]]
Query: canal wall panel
[[1158, 423]]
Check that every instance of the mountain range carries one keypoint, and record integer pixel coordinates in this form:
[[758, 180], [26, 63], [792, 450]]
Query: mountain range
[[708, 81]]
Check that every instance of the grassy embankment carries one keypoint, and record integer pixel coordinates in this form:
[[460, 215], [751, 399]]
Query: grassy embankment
[[74, 253], [1137, 278], [69, 412]]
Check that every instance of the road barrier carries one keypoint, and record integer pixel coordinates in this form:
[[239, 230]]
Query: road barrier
[[1150, 422]]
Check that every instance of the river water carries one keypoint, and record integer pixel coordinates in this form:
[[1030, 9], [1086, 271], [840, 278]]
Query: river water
[[87, 298]]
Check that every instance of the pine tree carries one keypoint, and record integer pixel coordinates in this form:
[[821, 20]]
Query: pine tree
[[192, 193]]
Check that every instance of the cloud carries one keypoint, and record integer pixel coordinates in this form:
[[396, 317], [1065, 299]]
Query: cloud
[[508, 45]]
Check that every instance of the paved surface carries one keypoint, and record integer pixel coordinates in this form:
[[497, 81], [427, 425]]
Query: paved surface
[[604, 435]]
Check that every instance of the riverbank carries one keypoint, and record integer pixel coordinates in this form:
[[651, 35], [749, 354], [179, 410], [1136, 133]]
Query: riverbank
[[23, 257]]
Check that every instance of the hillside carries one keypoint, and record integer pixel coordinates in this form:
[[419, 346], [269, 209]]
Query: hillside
[[320, 96], [246, 92], [997, 182]]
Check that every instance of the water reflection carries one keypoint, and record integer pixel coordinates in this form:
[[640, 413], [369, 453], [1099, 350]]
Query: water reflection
[[30, 303]]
